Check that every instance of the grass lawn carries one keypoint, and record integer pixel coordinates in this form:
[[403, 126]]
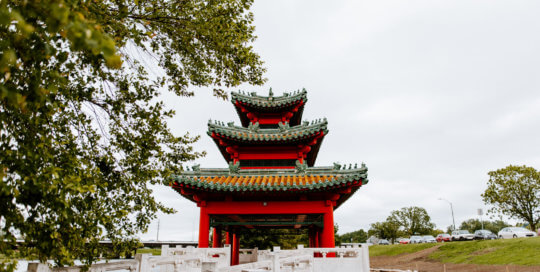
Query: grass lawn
[[154, 251], [521, 251], [392, 250]]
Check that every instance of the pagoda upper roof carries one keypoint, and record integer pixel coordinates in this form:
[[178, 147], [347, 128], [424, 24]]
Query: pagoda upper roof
[[255, 134], [270, 101], [270, 181]]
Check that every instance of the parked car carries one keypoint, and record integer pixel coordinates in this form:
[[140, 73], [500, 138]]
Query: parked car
[[484, 235], [404, 241], [416, 239], [429, 239], [462, 235], [443, 237], [383, 242], [515, 232]]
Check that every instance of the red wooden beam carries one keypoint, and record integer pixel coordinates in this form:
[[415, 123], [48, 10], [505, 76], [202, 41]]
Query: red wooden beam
[[268, 207]]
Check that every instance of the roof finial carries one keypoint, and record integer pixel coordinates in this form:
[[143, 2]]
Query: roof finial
[[270, 93]]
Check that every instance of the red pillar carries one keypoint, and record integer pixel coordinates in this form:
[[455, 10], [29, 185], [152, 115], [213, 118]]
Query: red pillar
[[327, 237], [204, 229], [235, 249], [227, 238], [317, 240], [216, 237]]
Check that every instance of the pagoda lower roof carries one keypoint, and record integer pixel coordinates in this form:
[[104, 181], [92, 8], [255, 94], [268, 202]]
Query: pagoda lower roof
[[254, 134], [269, 102], [313, 179]]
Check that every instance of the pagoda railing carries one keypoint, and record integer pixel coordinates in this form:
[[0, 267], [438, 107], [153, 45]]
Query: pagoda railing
[[218, 260]]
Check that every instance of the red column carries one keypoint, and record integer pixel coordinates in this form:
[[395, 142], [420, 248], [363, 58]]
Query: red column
[[204, 229], [235, 249], [216, 237], [317, 240], [228, 238], [327, 237]]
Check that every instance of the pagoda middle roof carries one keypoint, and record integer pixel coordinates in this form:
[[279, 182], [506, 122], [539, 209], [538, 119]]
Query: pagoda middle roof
[[283, 133], [265, 180], [254, 100]]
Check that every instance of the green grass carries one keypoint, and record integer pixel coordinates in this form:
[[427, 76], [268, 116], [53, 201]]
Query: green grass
[[154, 251], [393, 250], [522, 251]]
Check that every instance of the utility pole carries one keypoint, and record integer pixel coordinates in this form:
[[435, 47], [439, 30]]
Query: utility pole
[[452, 209], [480, 212], [157, 236]]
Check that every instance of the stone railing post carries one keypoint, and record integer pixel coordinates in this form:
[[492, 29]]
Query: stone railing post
[[164, 250], [144, 263], [365, 258], [276, 266], [227, 254]]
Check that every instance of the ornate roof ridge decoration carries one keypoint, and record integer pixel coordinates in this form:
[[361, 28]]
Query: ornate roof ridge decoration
[[269, 101], [253, 132], [316, 170], [313, 179]]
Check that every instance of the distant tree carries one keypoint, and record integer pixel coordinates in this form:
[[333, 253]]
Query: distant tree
[[436, 232], [386, 230], [414, 220], [337, 237], [359, 236], [83, 130], [475, 224], [515, 191]]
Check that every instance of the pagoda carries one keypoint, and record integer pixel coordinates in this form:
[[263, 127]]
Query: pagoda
[[271, 181]]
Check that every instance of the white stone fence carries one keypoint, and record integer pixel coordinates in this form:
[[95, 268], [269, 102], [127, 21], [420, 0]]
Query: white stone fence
[[218, 260]]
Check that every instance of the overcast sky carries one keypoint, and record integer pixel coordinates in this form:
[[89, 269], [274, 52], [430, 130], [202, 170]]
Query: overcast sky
[[431, 95]]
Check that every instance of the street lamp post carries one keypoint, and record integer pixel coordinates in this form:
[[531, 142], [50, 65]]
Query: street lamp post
[[451, 209]]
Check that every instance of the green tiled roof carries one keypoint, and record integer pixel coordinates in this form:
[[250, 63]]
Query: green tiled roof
[[284, 133], [269, 101], [314, 179]]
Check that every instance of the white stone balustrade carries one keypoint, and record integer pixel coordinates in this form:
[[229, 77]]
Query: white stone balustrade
[[218, 260]]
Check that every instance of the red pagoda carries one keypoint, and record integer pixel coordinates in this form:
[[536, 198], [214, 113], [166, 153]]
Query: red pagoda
[[271, 181]]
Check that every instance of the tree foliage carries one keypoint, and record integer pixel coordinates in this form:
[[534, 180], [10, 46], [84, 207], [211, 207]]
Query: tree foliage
[[414, 220], [82, 129], [358, 236], [515, 191], [388, 229], [475, 224], [268, 238]]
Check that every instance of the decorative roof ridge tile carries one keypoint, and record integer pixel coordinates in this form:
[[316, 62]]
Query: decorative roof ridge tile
[[284, 132], [310, 171], [269, 101]]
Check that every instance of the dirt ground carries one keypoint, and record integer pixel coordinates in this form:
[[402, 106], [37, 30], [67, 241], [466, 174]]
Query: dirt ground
[[419, 261]]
